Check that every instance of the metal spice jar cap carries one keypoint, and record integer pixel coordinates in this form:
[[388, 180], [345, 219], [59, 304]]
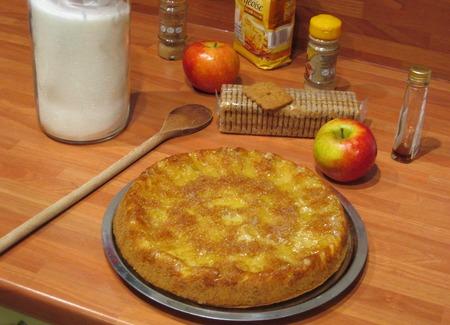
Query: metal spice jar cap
[[325, 27], [419, 74]]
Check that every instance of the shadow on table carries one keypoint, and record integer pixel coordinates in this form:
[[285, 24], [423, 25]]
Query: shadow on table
[[342, 84], [428, 144], [368, 180]]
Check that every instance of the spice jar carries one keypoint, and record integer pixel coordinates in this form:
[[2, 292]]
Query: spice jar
[[412, 114], [80, 56], [322, 52], [172, 28]]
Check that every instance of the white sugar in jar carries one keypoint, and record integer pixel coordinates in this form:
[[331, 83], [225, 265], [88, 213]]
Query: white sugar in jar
[[81, 67]]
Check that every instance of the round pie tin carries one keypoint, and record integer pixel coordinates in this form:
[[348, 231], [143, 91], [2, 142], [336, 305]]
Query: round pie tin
[[315, 300]]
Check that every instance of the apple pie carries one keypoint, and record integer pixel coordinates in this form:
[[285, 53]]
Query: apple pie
[[231, 227]]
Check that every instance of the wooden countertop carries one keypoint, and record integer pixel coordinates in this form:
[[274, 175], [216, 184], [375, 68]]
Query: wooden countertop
[[60, 273]]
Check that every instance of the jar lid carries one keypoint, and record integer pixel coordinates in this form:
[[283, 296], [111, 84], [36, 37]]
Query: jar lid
[[325, 27], [419, 74]]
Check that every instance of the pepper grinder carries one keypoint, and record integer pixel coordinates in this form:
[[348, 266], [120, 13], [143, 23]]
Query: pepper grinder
[[412, 114]]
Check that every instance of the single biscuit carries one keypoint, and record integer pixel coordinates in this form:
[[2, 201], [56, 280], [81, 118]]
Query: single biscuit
[[268, 95]]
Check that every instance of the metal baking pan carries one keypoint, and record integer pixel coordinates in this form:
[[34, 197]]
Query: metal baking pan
[[321, 297]]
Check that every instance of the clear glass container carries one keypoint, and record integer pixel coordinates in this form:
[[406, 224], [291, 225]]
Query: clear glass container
[[322, 52], [320, 70], [412, 115], [81, 72], [172, 28]]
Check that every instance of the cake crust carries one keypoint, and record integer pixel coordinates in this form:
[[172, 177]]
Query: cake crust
[[230, 227]]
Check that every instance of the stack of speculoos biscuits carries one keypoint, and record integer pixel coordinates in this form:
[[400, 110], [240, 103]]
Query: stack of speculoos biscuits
[[266, 109]]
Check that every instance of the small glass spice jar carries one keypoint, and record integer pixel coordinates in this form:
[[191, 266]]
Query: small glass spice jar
[[172, 28], [322, 52], [412, 115]]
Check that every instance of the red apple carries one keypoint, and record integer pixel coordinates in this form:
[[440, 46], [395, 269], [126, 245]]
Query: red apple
[[208, 65], [344, 149]]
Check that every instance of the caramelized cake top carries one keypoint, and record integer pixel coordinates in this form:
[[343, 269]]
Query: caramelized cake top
[[233, 211]]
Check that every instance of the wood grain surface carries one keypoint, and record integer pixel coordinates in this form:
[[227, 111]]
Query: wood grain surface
[[391, 32], [60, 274]]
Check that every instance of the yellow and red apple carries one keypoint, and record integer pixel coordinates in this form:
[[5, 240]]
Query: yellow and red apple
[[344, 149], [209, 64]]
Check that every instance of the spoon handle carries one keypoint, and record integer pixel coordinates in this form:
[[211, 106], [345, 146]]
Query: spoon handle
[[65, 202]]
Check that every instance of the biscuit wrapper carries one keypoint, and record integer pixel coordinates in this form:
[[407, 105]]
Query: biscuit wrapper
[[302, 118]]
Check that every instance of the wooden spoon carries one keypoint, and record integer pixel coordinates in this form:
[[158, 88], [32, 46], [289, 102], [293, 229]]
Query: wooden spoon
[[182, 120]]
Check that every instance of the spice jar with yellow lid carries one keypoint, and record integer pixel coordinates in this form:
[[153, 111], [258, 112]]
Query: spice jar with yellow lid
[[322, 52]]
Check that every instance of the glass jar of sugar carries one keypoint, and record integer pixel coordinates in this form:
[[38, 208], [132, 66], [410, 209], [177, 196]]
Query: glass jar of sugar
[[80, 52]]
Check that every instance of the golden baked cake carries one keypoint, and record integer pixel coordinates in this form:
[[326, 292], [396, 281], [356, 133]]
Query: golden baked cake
[[231, 228]]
